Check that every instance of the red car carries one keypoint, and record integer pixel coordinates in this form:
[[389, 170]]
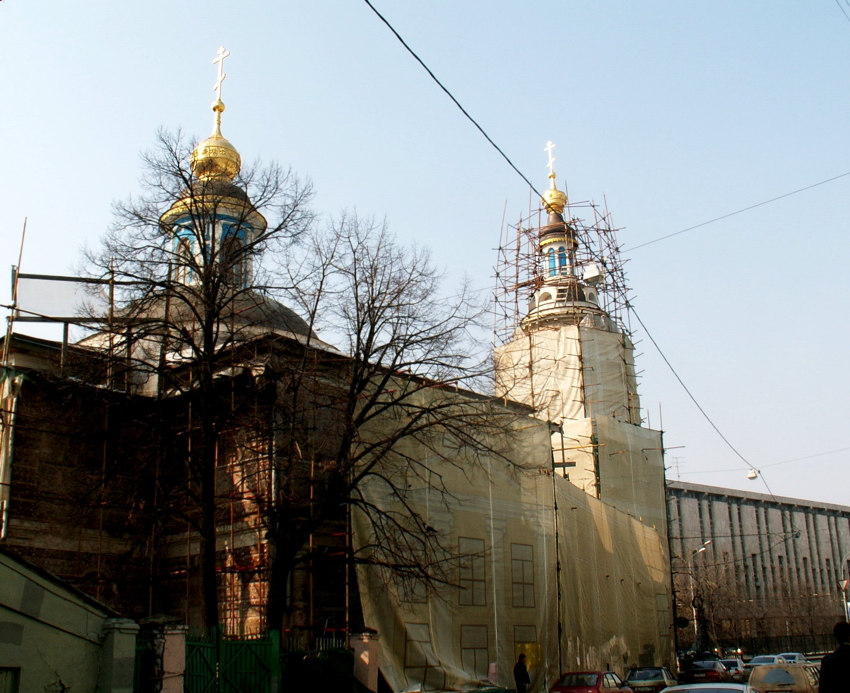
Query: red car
[[590, 682]]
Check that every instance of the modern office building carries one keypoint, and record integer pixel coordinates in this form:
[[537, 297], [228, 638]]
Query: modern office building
[[756, 571]]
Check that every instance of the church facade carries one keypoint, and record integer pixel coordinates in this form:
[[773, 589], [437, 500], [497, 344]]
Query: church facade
[[178, 452]]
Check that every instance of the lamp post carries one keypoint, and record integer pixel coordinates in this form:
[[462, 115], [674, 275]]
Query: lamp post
[[843, 584], [702, 548]]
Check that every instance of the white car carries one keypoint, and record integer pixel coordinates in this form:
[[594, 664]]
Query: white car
[[793, 657], [765, 659]]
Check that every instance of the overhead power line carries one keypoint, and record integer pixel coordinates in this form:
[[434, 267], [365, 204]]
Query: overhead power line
[[843, 11], [774, 464], [685, 387], [737, 211], [531, 185], [451, 96]]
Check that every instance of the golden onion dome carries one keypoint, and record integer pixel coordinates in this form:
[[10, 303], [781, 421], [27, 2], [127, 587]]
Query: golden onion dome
[[215, 158], [553, 199]]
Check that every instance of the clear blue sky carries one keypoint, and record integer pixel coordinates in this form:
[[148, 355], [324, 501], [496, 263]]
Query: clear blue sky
[[673, 112]]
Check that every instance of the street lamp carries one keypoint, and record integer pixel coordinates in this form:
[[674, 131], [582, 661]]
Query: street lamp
[[702, 548], [843, 584]]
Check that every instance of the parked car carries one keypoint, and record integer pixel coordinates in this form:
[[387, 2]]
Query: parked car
[[790, 678], [649, 679], [705, 671], [794, 657], [735, 667], [709, 688], [590, 682], [761, 660], [686, 658]]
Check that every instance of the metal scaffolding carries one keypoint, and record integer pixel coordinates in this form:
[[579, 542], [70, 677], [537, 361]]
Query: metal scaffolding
[[519, 266]]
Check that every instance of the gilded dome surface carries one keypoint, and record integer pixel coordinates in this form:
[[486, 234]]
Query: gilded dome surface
[[215, 158], [555, 200]]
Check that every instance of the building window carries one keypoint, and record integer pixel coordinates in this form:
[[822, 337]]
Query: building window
[[232, 260], [522, 575], [473, 650], [524, 635], [420, 661], [553, 270], [562, 259], [411, 590], [184, 260], [471, 576], [10, 679]]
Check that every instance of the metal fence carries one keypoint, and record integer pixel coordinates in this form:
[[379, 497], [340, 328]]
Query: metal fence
[[268, 664], [215, 664]]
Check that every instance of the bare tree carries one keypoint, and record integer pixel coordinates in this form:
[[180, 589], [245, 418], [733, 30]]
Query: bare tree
[[398, 403], [184, 261], [733, 611], [199, 273]]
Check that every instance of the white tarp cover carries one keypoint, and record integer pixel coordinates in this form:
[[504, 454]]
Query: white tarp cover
[[631, 470], [577, 372], [60, 298], [618, 462], [613, 580]]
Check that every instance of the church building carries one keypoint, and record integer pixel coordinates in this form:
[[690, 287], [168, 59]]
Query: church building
[[200, 444]]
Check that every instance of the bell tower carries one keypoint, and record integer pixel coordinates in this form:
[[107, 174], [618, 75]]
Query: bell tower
[[566, 352]]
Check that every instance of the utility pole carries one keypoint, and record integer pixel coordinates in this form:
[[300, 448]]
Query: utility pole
[[693, 589]]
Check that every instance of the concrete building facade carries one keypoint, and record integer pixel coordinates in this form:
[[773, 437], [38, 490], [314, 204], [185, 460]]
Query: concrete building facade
[[756, 571], [55, 638]]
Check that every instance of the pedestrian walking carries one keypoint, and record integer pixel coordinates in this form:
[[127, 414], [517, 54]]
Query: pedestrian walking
[[835, 667], [521, 675]]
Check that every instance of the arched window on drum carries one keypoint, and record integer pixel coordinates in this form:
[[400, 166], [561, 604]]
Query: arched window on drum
[[232, 258], [184, 257], [553, 269]]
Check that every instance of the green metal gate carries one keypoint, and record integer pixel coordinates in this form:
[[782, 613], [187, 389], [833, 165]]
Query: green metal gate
[[226, 665]]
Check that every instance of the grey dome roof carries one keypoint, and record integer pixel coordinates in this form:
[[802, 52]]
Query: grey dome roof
[[250, 314], [264, 313]]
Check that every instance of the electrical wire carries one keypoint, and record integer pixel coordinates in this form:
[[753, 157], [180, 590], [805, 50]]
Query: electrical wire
[[774, 464], [685, 387], [843, 11], [531, 185], [738, 211], [628, 304], [451, 96]]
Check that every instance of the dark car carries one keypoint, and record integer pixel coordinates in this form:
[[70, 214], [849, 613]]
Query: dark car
[[710, 688], [705, 671], [590, 682], [649, 679]]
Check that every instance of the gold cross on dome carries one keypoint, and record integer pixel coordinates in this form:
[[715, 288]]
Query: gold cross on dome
[[219, 59], [548, 149]]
